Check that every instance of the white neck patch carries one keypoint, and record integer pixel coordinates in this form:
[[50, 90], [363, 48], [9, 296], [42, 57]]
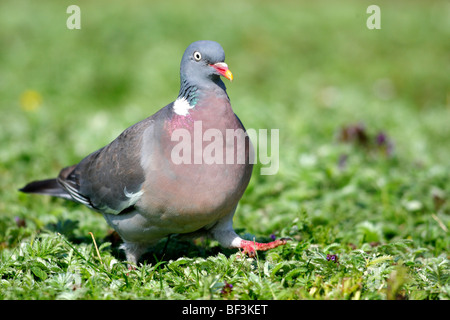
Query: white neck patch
[[133, 197], [181, 106]]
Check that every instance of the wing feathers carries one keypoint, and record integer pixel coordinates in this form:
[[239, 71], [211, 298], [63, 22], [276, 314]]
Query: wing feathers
[[49, 187]]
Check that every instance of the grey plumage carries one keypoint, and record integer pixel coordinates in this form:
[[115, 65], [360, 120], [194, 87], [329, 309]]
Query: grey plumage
[[49, 187], [137, 187]]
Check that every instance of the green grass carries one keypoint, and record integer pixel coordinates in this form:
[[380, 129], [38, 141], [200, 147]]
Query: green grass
[[311, 70]]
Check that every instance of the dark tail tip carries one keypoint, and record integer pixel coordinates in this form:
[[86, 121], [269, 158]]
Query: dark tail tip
[[41, 186], [49, 187]]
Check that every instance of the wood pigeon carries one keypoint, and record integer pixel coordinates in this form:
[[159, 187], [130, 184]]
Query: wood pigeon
[[159, 177]]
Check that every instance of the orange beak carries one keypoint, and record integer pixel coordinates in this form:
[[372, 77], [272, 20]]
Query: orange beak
[[223, 70]]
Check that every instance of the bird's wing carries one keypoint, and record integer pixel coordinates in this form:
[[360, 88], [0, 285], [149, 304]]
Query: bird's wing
[[110, 179]]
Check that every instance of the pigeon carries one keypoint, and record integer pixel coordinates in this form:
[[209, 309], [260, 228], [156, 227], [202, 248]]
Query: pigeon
[[175, 172]]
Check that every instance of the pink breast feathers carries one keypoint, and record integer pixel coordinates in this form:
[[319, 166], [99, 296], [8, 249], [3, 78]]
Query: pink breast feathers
[[179, 122]]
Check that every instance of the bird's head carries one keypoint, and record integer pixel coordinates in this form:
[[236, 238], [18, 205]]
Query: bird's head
[[204, 61]]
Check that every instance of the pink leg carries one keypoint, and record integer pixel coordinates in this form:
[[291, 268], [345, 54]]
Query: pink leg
[[250, 247], [223, 232]]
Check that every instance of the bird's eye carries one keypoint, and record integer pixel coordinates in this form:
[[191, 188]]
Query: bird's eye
[[197, 56]]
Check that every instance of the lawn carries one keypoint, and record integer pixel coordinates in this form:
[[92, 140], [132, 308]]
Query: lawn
[[363, 186]]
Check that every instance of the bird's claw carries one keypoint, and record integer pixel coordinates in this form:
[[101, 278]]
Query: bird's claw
[[250, 247]]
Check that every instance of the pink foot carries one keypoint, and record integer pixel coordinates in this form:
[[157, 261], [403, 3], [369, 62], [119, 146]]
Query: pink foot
[[250, 247]]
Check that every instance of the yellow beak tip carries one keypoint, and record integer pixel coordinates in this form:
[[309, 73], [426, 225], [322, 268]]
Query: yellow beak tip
[[229, 75]]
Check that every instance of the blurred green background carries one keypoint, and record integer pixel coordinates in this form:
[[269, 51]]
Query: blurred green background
[[299, 66], [310, 69], [304, 68]]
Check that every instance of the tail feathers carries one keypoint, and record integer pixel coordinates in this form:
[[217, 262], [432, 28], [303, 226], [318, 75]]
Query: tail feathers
[[49, 187]]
